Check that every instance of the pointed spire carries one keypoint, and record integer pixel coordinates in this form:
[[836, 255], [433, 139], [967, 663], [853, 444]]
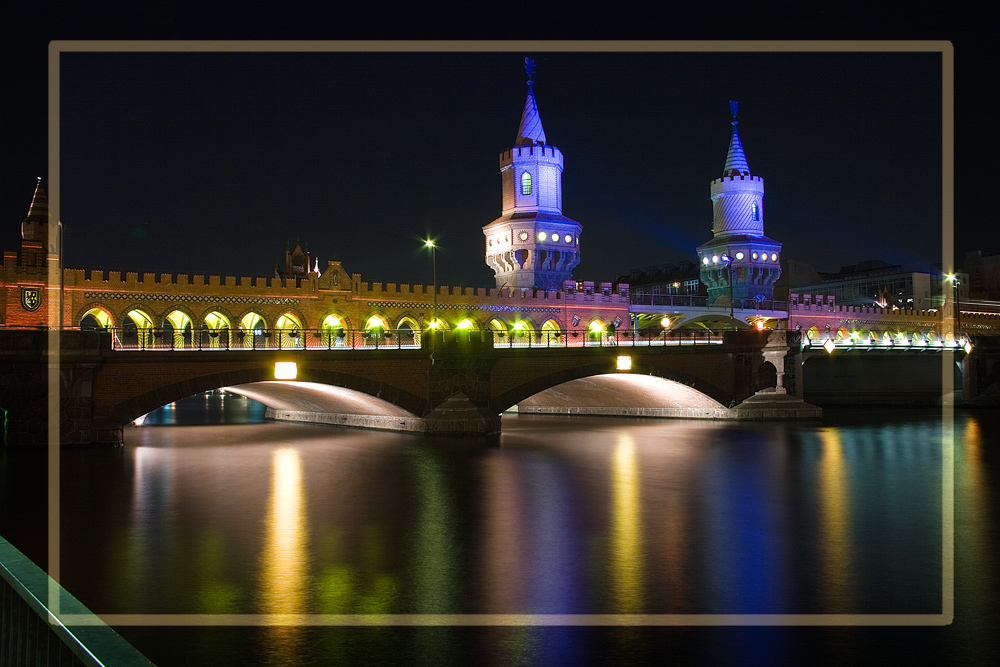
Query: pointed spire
[[530, 131], [736, 160], [39, 209]]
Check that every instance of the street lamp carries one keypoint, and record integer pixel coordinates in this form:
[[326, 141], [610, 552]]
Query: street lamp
[[429, 243], [955, 282], [729, 263]]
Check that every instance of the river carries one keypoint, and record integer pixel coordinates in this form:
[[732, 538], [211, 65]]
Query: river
[[564, 541]]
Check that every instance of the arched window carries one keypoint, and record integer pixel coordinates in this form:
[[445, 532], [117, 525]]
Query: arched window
[[525, 183], [754, 212]]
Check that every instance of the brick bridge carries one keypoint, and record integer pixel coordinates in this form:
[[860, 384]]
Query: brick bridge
[[451, 386]]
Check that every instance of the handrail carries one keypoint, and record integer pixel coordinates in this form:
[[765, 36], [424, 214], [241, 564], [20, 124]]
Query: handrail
[[34, 634], [396, 339]]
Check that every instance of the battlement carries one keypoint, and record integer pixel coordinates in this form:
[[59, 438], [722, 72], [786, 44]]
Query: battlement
[[745, 182], [540, 152], [170, 282]]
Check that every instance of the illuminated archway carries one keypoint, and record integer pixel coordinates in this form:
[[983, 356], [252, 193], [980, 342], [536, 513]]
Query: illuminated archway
[[596, 330], [333, 331], [96, 318], [177, 328], [217, 330], [408, 330], [376, 328], [521, 332], [289, 331], [498, 328], [137, 329], [550, 333], [253, 330]]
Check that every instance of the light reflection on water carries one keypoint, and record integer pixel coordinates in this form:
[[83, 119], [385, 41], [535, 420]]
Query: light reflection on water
[[564, 516]]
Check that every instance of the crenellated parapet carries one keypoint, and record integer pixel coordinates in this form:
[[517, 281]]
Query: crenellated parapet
[[819, 316]]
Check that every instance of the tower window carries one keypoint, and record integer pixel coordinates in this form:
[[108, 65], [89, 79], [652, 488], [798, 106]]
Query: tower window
[[755, 212], [525, 183]]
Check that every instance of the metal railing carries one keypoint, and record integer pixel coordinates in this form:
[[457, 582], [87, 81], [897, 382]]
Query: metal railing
[[396, 339], [31, 634], [696, 301]]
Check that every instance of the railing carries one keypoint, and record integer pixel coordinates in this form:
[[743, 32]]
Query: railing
[[30, 634], [695, 301], [396, 339]]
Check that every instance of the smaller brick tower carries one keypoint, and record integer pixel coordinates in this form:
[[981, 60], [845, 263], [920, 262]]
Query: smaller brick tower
[[532, 244], [739, 248]]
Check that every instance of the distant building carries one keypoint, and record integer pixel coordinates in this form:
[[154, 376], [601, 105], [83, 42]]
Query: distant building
[[682, 278], [983, 270], [877, 283]]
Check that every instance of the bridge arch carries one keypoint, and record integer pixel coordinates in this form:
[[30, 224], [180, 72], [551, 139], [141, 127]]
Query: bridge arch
[[178, 324], [216, 329], [599, 367], [137, 326], [127, 411]]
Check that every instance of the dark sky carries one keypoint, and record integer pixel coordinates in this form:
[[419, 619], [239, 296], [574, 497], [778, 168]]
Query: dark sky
[[212, 162]]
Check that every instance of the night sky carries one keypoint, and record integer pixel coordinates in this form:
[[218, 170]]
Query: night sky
[[212, 163]]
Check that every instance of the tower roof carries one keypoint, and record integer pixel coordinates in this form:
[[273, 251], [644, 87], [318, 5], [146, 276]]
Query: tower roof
[[39, 209], [735, 160], [530, 130]]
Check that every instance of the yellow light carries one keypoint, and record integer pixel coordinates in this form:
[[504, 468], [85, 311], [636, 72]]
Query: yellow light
[[665, 322], [433, 324], [285, 370], [597, 326], [429, 243], [760, 325], [624, 363], [519, 325], [465, 324]]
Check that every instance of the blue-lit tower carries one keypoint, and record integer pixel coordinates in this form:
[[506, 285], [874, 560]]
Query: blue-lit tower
[[739, 250], [532, 244]]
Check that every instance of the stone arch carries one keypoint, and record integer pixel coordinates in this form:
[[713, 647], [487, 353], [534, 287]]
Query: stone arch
[[767, 376], [96, 316]]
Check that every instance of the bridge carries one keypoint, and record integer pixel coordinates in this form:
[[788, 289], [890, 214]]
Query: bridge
[[452, 383]]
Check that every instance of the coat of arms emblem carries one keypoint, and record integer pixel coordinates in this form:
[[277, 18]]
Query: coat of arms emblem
[[31, 298]]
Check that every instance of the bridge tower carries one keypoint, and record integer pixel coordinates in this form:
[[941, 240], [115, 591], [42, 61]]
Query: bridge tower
[[38, 238], [532, 244], [739, 250]]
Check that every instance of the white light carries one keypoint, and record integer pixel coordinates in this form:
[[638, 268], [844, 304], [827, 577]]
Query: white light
[[715, 259], [665, 322], [705, 261], [285, 370], [624, 363], [829, 345], [139, 420], [542, 236], [739, 255], [967, 347]]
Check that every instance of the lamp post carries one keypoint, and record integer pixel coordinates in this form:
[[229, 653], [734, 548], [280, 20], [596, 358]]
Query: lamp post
[[955, 282], [434, 277], [729, 263]]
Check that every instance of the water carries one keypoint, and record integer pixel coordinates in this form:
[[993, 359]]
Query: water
[[558, 516]]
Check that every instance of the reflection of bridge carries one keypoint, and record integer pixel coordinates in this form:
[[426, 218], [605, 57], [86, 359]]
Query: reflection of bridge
[[459, 384]]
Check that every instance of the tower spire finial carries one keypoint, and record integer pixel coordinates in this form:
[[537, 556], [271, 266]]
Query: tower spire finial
[[736, 161], [530, 130]]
